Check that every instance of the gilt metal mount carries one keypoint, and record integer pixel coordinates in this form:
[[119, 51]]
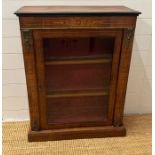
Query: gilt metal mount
[[130, 32], [35, 126], [27, 38]]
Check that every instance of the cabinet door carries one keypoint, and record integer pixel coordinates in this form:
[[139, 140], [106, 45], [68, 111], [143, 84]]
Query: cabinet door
[[77, 75]]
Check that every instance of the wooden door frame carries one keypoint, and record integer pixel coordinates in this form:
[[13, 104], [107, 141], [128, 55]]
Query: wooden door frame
[[39, 34]]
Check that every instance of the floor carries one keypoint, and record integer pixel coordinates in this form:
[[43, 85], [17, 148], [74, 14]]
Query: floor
[[137, 142]]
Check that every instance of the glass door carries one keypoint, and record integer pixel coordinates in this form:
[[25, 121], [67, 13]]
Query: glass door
[[77, 73]]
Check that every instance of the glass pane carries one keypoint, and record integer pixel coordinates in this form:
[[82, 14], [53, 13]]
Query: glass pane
[[77, 79], [77, 47]]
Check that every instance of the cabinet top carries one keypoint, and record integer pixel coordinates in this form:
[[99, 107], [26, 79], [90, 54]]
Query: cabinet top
[[75, 10]]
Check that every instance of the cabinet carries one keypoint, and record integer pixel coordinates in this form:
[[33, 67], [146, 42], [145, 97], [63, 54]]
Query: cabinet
[[77, 63]]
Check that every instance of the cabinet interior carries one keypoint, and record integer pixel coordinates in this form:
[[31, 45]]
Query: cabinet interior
[[77, 78]]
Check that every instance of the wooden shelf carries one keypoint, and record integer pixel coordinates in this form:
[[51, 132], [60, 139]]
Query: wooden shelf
[[58, 94], [78, 61], [90, 57]]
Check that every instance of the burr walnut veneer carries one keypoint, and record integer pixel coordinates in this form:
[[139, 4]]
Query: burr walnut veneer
[[77, 62]]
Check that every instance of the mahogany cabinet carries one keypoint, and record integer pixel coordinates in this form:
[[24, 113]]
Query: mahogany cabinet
[[77, 62]]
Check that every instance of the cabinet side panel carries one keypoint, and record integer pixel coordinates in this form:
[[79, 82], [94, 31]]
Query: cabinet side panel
[[30, 71], [124, 66]]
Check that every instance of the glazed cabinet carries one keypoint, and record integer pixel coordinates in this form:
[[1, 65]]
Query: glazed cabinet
[[76, 63]]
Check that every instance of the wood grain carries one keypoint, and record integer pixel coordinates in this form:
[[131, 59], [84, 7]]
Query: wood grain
[[76, 133], [72, 10], [77, 22], [30, 71], [125, 58]]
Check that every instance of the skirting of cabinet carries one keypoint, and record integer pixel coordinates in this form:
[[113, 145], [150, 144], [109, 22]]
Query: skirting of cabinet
[[76, 133]]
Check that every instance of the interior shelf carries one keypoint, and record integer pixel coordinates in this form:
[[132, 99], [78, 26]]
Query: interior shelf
[[77, 93], [79, 61], [106, 55]]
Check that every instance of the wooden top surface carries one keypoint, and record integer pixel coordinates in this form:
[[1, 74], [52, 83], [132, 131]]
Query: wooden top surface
[[75, 10]]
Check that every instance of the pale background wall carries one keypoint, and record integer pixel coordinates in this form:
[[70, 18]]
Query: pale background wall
[[138, 98]]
